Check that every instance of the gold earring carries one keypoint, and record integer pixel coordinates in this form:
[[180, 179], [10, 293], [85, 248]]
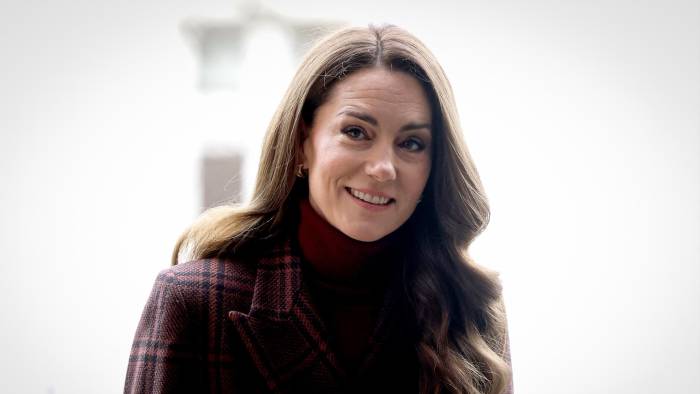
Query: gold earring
[[300, 171]]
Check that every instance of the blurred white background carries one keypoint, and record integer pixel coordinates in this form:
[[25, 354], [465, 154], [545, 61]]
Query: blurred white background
[[583, 118]]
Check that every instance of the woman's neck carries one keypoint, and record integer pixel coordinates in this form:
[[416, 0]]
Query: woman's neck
[[335, 256]]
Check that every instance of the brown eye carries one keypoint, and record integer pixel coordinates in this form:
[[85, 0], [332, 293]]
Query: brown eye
[[354, 132], [413, 145]]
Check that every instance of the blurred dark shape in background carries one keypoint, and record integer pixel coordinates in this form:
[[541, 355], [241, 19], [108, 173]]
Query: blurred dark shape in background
[[221, 179]]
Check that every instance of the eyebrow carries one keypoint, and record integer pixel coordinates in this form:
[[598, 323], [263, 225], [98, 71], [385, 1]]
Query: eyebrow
[[371, 120]]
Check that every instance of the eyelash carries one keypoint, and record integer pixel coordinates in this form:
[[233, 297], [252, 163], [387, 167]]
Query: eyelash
[[349, 131], [419, 144]]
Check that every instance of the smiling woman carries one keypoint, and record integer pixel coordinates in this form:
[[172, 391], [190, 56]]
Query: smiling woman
[[348, 271], [368, 152]]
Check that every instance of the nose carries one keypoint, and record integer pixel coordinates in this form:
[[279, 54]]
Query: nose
[[380, 165]]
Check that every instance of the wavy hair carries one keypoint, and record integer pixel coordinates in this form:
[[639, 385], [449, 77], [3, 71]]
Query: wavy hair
[[462, 345]]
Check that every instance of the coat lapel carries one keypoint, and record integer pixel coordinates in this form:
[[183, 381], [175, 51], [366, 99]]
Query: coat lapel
[[283, 332], [285, 336]]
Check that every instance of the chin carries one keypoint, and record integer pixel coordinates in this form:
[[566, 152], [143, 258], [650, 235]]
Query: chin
[[361, 234], [366, 237]]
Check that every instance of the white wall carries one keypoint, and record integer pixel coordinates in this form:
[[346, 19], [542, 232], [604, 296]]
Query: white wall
[[582, 117]]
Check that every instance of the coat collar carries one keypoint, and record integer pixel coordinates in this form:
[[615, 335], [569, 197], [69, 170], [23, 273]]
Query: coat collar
[[284, 333]]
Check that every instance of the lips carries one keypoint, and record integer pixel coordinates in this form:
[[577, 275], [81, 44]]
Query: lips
[[369, 197]]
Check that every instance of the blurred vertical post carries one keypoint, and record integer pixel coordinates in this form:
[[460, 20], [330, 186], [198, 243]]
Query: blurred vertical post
[[243, 60]]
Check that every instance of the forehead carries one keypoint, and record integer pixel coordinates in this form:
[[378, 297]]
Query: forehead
[[378, 88]]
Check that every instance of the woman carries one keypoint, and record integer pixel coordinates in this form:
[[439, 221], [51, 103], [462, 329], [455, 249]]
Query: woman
[[348, 271]]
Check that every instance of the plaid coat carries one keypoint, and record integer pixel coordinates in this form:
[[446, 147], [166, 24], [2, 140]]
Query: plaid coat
[[248, 325]]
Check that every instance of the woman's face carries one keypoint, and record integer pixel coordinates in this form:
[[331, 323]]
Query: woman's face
[[368, 152]]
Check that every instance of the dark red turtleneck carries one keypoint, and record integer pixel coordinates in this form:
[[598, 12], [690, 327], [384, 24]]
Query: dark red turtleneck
[[347, 279]]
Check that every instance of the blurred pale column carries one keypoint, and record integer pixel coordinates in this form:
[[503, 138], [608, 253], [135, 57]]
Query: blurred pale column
[[244, 62]]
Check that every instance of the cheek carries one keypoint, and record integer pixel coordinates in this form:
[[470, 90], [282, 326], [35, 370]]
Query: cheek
[[330, 168], [417, 183], [332, 160], [324, 150]]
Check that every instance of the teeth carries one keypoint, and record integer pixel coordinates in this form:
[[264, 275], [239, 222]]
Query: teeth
[[369, 198]]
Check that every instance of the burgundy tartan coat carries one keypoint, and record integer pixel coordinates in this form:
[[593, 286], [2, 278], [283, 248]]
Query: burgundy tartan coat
[[248, 325]]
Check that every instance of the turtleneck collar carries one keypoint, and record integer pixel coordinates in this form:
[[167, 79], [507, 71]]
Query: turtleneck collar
[[336, 257]]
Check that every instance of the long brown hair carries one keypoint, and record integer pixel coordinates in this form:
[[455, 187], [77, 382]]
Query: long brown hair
[[458, 304]]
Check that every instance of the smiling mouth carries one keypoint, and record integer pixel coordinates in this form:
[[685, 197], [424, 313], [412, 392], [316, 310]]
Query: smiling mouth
[[369, 198]]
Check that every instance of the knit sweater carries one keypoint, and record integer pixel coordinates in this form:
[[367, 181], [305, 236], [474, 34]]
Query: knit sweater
[[347, 280]]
